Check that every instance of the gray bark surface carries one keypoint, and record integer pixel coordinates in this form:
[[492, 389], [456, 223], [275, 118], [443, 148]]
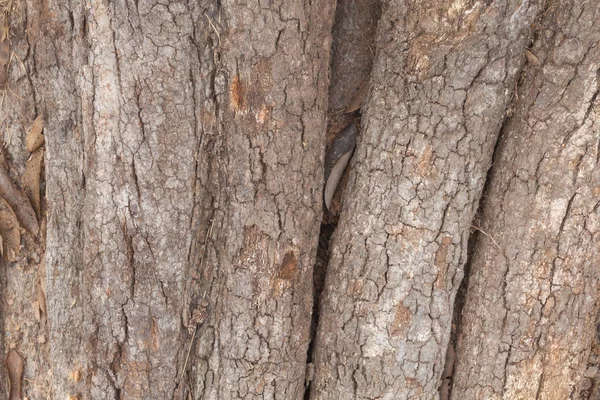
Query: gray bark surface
[[260, 246], [442, 78], [532, 299], [183, 195], [184, 171]]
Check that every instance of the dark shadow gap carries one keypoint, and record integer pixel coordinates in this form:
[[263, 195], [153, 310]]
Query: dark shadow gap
[[352, 55], [319, 273]]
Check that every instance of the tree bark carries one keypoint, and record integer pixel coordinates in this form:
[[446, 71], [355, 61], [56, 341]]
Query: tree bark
[[185, 149], [532, 299], [257, 264], [441, 81], [183, 195]]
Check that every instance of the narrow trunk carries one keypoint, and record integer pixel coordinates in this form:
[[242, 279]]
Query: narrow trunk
[[532, 300], [442, 78], [256, 267]]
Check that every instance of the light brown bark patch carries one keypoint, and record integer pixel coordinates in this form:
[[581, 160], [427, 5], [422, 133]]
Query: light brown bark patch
[[401, 322], [418, 57], [76, 375], [425, 165], [440, 262], [237, 95], [289, 266], [255, 244]]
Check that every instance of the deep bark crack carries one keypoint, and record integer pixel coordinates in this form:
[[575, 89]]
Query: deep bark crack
[[319, 273]]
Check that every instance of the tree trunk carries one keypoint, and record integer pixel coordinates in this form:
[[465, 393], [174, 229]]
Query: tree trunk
[[532, 298], [184, 156], [440, 84], [183, 194]]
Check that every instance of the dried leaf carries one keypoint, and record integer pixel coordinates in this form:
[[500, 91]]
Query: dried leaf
[[35, 137], [334, 178], [18, 202], [14, 366], [4, 59], [41, 290], [359, 98], [532, 58], [337, 157], [30, 181], [11, 234]]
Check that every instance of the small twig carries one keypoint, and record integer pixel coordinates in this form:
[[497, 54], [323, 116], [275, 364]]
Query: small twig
[[187, 357], [488, 235], [20, 61], [213, 26], [13, 92], [208, 234]]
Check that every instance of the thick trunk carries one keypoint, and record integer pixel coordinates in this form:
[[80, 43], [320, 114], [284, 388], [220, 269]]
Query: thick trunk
[[184, 164], [532, 298], [441, 80]]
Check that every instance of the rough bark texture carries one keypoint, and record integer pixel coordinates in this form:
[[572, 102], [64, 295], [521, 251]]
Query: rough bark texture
[[256, 266], [184, 145], [117, 85], [441, 80], [23, 325], [532, 300], [184, 165]]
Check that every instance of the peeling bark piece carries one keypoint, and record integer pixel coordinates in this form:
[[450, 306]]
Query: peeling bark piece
[[439, 88], [14, 365], [531, 304], [18, 202], [10, 232], [35, 137], [30, 181]]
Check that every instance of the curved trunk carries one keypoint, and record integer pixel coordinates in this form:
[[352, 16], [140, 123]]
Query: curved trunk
[[441, 80], [532, 299]]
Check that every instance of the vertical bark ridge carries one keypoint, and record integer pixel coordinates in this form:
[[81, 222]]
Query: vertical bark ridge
[[476, 231]]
